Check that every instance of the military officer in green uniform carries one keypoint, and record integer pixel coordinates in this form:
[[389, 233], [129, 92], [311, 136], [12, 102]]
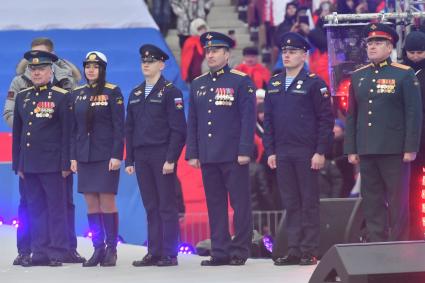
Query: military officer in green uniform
[[382, 134]]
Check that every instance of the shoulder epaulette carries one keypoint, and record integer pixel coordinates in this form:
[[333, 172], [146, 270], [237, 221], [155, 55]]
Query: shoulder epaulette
[[58, 89], [25, 89], [401, 66], [201, 75], [80, 87], [110, 86], [234, 71], [362, 67], [275, 75]]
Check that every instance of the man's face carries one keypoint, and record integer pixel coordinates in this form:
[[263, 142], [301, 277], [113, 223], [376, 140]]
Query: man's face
[[152, 67], [415, 56], [293, 58], [217, 57], [291, 10], [250, 60], [378, 50], [41, 74]]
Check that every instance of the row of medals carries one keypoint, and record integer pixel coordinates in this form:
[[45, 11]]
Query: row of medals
[[41, 112], [225, 100], [104, 102], [381, 88]]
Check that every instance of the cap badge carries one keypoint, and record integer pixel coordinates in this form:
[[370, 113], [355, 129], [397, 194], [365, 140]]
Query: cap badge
[[209, 36], [35, 60], [92, 57]]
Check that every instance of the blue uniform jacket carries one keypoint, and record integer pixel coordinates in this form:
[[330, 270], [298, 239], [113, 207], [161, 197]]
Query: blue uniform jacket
[[155, 120], [298, 121], [41, 130], [106, 140], [222, 117]]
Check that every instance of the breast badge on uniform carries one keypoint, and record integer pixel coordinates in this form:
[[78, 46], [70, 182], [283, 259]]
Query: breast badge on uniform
[[99, 100], [299, 84], [276, 83], [325, 92], [224, 96], [178, 101], [119, 100], [44, 109], [385, 86]]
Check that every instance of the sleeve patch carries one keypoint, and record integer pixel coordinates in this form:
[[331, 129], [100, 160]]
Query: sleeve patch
[[178, 102], [324, 91], [10, 95]]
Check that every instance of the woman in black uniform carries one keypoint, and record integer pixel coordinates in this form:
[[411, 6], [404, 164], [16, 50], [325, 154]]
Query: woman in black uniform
[[96, 151]]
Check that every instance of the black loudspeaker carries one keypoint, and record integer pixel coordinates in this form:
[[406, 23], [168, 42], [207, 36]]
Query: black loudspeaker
[[341, 221], [391, 262]]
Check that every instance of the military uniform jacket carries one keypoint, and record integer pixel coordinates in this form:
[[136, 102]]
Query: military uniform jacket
[[384, 110], [106, 140], [297, 121], [157, 120], [41, 130], [222, 117]]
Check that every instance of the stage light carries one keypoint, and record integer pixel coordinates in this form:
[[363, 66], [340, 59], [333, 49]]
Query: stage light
[[1, 221], [120, 240], [88, 234], [268, 243], [15, 222], [185, 248]]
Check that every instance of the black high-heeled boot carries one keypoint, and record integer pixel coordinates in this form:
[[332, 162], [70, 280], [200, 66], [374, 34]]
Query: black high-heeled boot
[[98, 238], [110, 221]]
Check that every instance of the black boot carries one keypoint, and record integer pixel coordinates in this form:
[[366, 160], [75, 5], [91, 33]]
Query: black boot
[[110, 221], [98, 239]]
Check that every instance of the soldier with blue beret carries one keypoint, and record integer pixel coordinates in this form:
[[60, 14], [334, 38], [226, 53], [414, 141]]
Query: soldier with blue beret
[[298, 124], [383, 130], [97, 145], [40, 154], [155, 136], [221, 125]]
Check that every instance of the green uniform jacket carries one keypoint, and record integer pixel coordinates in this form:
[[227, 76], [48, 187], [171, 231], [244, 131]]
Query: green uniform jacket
[[384, 110]]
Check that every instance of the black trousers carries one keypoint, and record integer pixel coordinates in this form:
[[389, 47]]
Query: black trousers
[[299, 189], [24, 232], [220, 181], [46, 198], [385, 192], [160, 201]]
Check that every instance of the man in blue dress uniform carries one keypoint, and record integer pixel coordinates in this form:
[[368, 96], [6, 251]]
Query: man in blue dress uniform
[[155, 135], [40, 153], [383, 132], [298, 123], [221, 125]]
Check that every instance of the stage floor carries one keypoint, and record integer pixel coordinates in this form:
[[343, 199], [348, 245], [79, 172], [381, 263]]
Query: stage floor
[[189, 270]]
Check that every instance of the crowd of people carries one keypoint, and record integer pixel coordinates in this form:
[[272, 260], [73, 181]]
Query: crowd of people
[[261, 141]]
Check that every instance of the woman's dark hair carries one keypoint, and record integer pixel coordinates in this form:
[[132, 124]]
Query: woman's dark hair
[[100, 84]]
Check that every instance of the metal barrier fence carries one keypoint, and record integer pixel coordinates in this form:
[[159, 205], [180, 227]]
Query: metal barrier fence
[[194, 227]]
